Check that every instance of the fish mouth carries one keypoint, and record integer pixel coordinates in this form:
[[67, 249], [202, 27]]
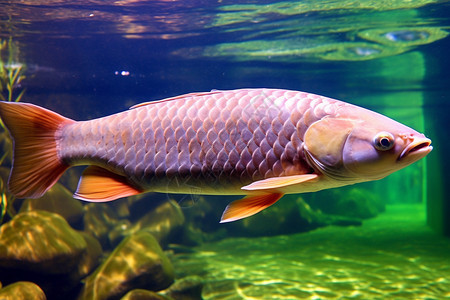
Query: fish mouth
[[416, 149]]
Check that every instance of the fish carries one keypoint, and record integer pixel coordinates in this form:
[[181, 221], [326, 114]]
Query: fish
[[258, 143]]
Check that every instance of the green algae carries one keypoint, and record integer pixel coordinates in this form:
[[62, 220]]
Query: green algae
[[403, 36], [318, 31], [368, 44], [237, 13], [302, 49], [353, 51]]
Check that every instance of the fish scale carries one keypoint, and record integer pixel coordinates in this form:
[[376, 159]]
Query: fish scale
[[227, 139]]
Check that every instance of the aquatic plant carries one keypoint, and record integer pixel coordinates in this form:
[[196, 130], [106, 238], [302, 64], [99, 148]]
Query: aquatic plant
[[3, 201], [6, 202], [11, 76], [11, 71]]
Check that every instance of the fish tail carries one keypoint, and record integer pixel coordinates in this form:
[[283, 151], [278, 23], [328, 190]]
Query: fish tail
[[36, 165]]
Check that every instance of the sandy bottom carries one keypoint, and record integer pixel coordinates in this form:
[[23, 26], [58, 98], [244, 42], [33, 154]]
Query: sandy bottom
[[393, 256]]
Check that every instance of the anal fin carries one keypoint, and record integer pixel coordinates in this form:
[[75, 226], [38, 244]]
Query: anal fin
[[101, 185], [248, 206]]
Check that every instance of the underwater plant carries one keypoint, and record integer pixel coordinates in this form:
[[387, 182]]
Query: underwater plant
[[11, 71], [11, 75]]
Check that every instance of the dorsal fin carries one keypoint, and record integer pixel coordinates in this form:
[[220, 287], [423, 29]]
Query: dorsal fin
[[196, 94]]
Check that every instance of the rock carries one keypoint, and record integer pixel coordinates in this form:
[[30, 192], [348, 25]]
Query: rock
[[352, 202], [188, 288], [289, 215], [90, 258], [137, 263], [120, 207], [40, 241], [57, 200], [122, 229], [206, 211], [140, 294], [140, 204], [162, 218], [22, 290], [168, 214], [40, 247], [194, 236], [163, 221], [99, 220], [59, 286], [203, 219]]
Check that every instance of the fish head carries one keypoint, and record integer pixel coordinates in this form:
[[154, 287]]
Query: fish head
[[362, 146]]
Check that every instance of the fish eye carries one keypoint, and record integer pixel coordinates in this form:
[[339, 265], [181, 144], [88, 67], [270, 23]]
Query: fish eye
[[383, 141]]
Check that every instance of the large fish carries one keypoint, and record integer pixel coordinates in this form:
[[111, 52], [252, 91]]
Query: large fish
[[262, 143]]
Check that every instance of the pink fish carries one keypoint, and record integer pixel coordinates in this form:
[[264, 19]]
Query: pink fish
[[261, 143]]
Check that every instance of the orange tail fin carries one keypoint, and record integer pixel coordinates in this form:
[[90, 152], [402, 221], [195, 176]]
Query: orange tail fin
[[36, 165]]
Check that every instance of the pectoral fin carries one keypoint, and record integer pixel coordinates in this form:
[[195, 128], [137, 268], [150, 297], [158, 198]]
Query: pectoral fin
[[98, 184], [248, 206], [278, 182]]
